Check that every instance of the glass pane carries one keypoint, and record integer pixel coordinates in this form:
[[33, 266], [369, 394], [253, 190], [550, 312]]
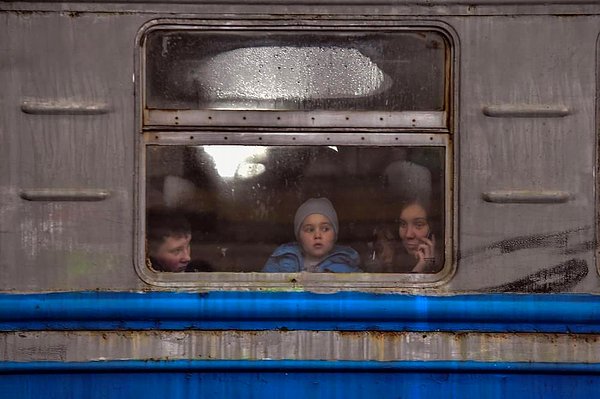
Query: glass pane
[[354, 71], [239, 204]]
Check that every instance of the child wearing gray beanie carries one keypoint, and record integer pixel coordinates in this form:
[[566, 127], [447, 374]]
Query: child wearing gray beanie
[[316, 229], [321, 206]]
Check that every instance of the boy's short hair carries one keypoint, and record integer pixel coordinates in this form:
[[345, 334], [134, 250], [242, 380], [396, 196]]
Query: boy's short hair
[[161, 224]]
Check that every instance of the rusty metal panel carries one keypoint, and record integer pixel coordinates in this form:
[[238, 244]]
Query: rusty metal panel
[[84, 346]]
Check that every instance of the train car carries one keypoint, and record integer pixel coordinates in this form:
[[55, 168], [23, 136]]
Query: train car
[[390, 198]]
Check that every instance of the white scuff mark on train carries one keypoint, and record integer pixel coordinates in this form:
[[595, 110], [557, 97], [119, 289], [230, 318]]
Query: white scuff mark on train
[[29, 239], [44, 233]]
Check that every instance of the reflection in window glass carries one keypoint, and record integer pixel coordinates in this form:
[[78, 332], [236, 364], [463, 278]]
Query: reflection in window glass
[[237, 205], [334, 72], [351, 71]]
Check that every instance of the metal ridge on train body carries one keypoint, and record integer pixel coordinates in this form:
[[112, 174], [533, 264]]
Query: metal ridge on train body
[[300, 311], [336, 2]]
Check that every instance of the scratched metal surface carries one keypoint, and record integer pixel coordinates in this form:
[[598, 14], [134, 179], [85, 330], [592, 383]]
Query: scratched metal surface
[[319, 7], [88, 62], [544, 60], [85, 346]]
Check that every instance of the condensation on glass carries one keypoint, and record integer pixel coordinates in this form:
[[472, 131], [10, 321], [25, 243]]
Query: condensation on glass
[[400, 75], [241, 200]]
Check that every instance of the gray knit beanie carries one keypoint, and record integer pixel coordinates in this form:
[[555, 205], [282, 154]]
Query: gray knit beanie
[[321, 206]]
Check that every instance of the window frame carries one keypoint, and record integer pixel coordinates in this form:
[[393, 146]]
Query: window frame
[[289, 130]]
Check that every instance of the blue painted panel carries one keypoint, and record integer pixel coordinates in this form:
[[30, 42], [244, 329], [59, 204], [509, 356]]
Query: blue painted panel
[[306, 311], [244, 366], [317, 380]]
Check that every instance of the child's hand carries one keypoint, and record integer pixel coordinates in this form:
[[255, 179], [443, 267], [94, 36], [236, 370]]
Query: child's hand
[[425, 255]]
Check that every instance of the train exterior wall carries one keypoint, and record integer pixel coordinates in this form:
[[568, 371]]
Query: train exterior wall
[[518, 317]]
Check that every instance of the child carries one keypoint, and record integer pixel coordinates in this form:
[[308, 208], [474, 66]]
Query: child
[[168, 236], [316, 229]]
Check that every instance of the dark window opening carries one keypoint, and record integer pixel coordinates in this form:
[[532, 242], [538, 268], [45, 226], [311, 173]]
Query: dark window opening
[[240, 202]]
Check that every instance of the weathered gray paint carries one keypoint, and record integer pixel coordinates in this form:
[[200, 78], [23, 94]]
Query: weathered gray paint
[[525, 60], [536, 59], [60, 59]]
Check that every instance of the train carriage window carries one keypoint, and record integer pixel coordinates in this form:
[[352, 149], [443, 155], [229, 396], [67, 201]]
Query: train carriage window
[[240, 200], [248, 134]]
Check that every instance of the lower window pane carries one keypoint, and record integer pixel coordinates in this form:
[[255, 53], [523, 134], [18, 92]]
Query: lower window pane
[[244, 208]]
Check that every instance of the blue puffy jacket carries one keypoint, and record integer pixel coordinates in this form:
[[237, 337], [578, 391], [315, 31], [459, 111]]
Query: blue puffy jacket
[[288, 258]]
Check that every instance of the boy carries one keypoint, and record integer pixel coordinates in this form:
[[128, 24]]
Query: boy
[[168, 236], [316, 228]]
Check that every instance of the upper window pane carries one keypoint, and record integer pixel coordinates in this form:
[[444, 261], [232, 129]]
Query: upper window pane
[[295, 71]]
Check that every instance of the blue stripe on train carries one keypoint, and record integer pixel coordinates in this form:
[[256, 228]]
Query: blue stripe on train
[[304, 311], [297, 379], [156, 366]]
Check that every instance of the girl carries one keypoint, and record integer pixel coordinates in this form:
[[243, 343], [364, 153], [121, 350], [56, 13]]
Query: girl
[[416, 250], [417, 238]]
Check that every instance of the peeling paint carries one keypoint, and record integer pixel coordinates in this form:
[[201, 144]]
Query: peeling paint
[[73, 346]]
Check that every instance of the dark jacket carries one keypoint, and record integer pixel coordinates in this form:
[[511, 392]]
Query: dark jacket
[[195, 266]]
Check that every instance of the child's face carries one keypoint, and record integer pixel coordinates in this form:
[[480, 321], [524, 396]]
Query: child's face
[[316, 237], [174, 253]]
